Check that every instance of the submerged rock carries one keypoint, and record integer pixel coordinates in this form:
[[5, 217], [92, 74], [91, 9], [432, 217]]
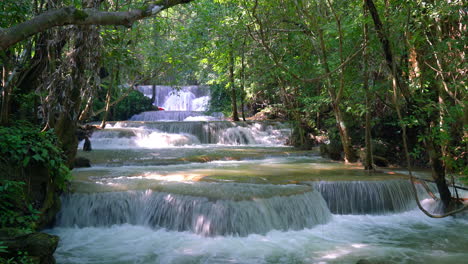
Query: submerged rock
[[380, 161], [39, 247], [81, 162]]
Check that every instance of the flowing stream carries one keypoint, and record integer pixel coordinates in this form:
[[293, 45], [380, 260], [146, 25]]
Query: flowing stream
[[163, 191]]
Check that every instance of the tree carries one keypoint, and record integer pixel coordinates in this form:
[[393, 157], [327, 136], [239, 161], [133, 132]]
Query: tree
[[67, 69], [311, 26], [426, 104], [70, 15]]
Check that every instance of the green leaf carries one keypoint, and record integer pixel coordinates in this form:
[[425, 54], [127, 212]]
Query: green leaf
[[26, 161], [37, 157]]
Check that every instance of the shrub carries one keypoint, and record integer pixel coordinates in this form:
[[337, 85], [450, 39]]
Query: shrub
[[24, 146]]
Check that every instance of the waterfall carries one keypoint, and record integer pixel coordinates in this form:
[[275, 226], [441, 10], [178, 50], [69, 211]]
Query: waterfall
[[198, 214], [178, 103], [166, 134], [153, 116], [368, 197]]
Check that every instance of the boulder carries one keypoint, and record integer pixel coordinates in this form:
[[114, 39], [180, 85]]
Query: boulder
[[81, 162], [40, 247]]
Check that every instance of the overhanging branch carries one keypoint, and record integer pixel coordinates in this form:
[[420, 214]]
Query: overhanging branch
[[74, 16]]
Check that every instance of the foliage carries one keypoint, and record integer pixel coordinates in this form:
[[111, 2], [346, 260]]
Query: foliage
[[23, 145], [275, 48], [14, 11], [133, 104], [220, 99], [15, 211], [20, 258]]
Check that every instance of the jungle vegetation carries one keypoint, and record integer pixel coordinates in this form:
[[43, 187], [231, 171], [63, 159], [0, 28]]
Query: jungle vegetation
[[363, 75]]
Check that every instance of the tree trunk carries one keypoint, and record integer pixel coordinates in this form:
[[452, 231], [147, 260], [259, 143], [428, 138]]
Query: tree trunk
[[85, 113], [5, 111], [438, 171], [386, 48], [350, 155], [8, 82], [434, 150], [66, 124], [242, 76], [108, 99], [235, 116], [368, 163], [153, 93]]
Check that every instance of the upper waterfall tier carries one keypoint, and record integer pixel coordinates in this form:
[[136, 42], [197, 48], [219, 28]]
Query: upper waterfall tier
[[185, 98]]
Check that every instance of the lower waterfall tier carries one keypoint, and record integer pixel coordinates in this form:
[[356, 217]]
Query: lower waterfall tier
[[200, 215]]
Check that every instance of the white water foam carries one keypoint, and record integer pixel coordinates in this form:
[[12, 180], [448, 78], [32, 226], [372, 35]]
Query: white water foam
[[155, 135], [408, 237]]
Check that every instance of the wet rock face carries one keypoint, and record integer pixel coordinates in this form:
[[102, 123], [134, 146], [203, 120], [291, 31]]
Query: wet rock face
[[40, 247]]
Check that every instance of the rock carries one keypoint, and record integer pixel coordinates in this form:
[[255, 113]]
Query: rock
[[87, 144], [39, 246], [81, 162], [332, 150], [380, 161], [363, 261]]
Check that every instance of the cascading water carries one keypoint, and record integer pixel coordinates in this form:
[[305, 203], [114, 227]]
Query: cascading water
[[166, 134], [364, 197], [179, 104], [198, 214], [231, 192]]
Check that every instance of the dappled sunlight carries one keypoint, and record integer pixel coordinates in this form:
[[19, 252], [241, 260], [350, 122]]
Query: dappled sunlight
[[358, 245], [174, 177], [336, 254]]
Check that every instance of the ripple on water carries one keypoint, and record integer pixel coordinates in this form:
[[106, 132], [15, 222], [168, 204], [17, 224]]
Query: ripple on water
[[408, 237]]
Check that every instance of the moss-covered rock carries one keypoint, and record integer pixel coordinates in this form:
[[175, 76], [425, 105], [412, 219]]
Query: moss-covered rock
[[38, 247]]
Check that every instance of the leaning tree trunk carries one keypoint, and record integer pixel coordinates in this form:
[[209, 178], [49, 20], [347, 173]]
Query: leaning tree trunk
[[434, 150]]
